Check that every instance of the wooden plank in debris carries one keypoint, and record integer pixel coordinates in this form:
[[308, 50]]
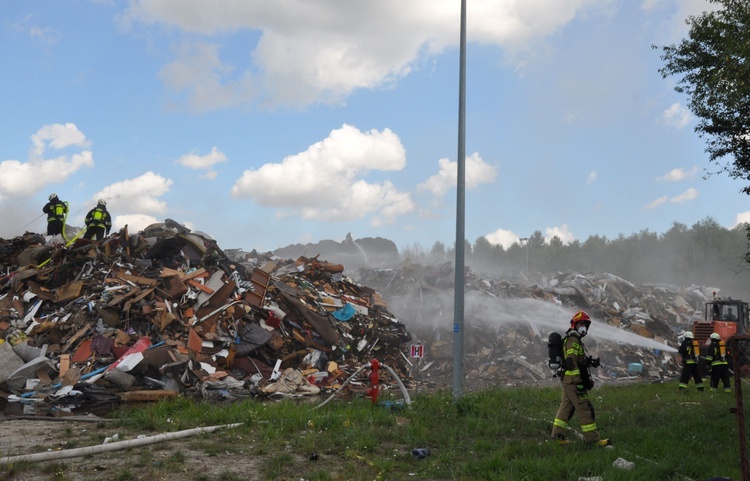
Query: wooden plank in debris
[[143, 295], [148, 396], [40, 292], [70, 290], [168, 272], [259, 281], [196, 273], [64, 364], [118, 299], [25, 274], [74, 338], [143, 281], [174, 287], [195, 343], [200, 286], [83, 352]]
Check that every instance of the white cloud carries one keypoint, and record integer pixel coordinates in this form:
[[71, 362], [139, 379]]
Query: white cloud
[[57, 136], [676, 175], [135, 222], [502, 237], [562, 232], [136, 196], [677, 116], [591, 178], [203, 162], [477, 172], [742, 218], [656, 203], [325, 181], [44, 35], [197, 162], [686, 196], [314, 51], [23, 179]]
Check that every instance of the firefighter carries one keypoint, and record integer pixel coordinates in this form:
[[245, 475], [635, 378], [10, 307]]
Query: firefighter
[[576, 382], [718, 366], [690, 352], [98, 221], [56, 211]]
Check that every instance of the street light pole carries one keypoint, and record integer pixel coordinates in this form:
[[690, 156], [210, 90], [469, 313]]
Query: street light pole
[[460, 279]]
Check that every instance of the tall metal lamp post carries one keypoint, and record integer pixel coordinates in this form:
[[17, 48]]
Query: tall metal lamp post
[[525, 240], [458, 308]]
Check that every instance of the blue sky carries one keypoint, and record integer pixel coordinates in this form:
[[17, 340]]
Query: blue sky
[[265, 124]]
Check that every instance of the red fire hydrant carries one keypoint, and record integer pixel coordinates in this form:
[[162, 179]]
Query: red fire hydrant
[[374, 381]]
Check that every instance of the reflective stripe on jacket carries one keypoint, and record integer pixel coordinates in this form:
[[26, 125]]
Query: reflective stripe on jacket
[[574, 357]]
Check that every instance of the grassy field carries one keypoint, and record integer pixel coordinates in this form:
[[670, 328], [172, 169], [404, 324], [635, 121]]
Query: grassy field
[[498, 434]]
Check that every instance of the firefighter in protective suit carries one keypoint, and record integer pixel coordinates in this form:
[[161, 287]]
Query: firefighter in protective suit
[[717, 363], [690, 352], [576, 382], [56, 211], [98, 221]]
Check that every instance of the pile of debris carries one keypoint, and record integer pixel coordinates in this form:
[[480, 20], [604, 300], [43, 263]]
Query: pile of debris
[[165, 312], [509, 318]]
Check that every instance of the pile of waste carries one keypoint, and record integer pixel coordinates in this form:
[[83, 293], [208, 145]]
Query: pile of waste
[[509, 317], [165, 312]]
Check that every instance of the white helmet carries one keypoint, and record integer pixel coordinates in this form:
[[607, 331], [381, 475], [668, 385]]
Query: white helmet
[[102, 202], [716, 336], [688, 335], [52, 196]]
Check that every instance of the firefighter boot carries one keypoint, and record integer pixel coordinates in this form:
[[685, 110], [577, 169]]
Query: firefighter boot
[[562, 440], [604, 442]]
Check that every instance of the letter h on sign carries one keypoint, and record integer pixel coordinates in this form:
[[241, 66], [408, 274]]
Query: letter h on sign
[[417, 350]]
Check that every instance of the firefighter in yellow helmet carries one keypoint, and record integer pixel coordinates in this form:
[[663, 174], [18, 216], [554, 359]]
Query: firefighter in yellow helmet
[[717, 363], [98, 221], [576, 382], [690, 351], [56, 211]]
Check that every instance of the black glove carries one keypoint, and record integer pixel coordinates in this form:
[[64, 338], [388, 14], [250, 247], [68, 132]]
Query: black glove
[[580, 390], [595, 362]]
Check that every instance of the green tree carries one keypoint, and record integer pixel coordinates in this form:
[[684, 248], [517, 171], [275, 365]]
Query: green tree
[[714, 66], [437, 253]]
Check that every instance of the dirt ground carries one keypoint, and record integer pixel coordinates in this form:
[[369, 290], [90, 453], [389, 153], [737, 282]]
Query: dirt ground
[[172, 460]]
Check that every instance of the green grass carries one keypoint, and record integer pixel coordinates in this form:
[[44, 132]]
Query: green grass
[[497, 434], [494, 435]]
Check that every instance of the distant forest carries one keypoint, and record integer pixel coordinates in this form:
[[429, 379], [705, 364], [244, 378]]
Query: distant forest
[[705, 254]]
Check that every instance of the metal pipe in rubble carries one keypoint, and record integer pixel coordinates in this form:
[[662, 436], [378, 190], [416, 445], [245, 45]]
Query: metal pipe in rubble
[[401, 386], [335, 393], [102, 448]]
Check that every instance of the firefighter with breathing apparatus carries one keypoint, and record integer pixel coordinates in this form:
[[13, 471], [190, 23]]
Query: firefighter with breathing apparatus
[[690, 351], [57, 212], [98, 221], [718, 366], [576, 382]]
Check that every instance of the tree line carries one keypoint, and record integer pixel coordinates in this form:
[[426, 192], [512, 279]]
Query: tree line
[[705, 254]]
